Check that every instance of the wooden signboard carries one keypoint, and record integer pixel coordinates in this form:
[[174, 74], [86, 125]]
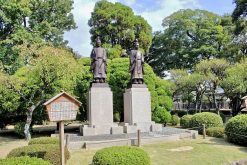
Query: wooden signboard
[[62, 107]]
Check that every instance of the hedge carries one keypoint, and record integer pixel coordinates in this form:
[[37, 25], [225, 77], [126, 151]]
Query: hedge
[[19, 128], [24, 160], [207, 118], [44, 140], [215, 132], [121, 156], [49, 152], [236, 129], [175, 120], [185, 121]]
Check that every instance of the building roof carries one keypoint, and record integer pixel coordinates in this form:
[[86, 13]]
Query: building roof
[[60, 94]]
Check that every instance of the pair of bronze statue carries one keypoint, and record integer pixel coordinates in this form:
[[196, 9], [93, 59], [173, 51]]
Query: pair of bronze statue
[[99, 63]]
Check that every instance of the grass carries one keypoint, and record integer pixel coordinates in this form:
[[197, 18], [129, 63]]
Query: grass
[[210, 151]]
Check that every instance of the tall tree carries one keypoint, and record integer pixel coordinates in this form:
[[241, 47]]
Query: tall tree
[[31, 21], [116, 24], [240, 9], [189, 36]]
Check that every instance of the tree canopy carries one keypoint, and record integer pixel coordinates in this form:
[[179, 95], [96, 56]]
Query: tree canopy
[[189, 36], [117, 24]]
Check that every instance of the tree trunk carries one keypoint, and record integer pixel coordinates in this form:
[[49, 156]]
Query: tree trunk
[[29, 120], [215, 101]]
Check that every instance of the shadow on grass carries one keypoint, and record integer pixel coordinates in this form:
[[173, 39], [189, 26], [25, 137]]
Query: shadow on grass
[[224, 142]]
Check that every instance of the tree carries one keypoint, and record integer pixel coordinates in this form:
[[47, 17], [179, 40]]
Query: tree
[[189, 36], [234, 85], [240, 9], [37, 83], [116, 23], [31, 21], [214, 70]]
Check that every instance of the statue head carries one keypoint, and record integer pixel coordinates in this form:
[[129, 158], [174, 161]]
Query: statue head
[[98, 42], [136, 44]]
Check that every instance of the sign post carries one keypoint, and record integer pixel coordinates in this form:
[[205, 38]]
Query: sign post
[[60, 108]]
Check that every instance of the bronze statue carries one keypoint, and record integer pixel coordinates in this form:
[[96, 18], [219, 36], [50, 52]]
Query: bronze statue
[[136, 64], [98, 63]]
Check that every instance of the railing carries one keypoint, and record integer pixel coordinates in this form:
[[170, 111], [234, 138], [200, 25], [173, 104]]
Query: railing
[[205, 106]]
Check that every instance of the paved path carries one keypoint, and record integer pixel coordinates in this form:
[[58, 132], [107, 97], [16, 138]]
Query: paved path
[[9, 143]]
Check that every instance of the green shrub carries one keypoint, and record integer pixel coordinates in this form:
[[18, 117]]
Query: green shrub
[[181, 113], [215, 132], [185, 121], [49, 152], [24, 160], [44, 140], [236, 129], [161, 115], [207, 118], [175, 120], [19, 129], [121, 156]]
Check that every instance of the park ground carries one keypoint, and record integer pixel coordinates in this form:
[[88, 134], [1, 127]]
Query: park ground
[[209, 151]]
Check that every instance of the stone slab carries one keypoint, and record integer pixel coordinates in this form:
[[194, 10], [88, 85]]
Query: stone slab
[[130, 129], [117, 130], [95, 130], [156, 127], [100, 105], [137, 106], [144, 127]]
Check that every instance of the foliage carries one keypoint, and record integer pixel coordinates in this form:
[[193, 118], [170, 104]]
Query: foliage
[[185, 121], [24, 160], [175, 120], [43, 140], [240, 9], [207, 118], [116, 24], [236, 129], [49, 152], [186, 40], [234, 85], [215, 132], [121, 155], [161, 115], [19, 129], [28, 22]]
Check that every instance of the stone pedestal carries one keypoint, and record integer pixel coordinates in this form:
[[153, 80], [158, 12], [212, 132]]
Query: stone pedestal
[[137, 110], [137, 105], [100, 112], [100, 105]]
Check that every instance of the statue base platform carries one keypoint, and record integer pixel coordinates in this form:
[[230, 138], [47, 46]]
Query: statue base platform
[[137, 110]]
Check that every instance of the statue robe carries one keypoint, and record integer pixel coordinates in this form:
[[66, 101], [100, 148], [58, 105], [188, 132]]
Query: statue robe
[[136, 64], [98, 63]]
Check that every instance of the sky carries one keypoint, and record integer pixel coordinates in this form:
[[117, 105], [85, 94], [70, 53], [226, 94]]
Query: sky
[[154, 11]]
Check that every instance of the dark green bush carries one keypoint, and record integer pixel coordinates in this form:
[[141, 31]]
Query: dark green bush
[[44, 140], [49, 152], [121, 156], [185, 121], [19, 129], [215, 132], [175, 120], [181, 113], [207, 118], [161, 115], [236, 129], [24, 160]]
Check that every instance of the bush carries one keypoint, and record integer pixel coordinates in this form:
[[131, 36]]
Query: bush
[[49, 152], [175, 120], [24, 160], [215, 132], [19, 129], [185, 121], [161, 115], [207, 118], [236, 129], [121, 155], [44, 140]]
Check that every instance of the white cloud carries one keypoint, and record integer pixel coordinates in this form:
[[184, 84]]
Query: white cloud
[[167, 7], [79, 39]]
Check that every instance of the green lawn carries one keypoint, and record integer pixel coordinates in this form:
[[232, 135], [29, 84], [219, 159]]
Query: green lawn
[[210, 151]]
